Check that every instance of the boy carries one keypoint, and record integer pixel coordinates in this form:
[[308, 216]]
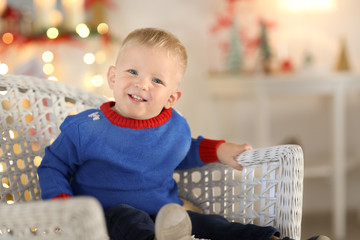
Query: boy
[[125, 153]]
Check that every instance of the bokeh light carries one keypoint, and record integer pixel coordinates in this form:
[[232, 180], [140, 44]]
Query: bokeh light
[[48, 68], [4, 69], [97, 81], [52, 33], [8, 38], [89, 58], [53, 78], [82, 30], [47, 56], [103, 28]]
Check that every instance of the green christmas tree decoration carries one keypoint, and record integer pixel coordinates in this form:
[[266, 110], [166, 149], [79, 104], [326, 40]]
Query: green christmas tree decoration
[[235, 58], [265, 50]]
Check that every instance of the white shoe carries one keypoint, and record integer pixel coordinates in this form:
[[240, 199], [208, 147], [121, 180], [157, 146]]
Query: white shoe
[[172, 223], [319, 237], [322, 237]]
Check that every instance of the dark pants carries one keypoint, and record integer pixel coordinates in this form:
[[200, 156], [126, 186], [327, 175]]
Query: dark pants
[[127, 223]]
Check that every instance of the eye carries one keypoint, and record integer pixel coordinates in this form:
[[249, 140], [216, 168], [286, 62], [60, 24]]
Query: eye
[[133, 72], [157, 81]]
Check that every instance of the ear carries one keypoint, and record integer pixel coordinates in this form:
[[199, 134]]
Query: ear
[[174, 97], [111, 76]]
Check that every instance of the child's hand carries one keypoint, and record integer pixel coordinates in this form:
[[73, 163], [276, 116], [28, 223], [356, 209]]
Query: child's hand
[[227, 152]]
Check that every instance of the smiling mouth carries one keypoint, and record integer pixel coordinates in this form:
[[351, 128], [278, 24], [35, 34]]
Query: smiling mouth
[[136, 98]]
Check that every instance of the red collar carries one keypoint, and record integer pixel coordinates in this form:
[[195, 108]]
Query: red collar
[[124, 122]]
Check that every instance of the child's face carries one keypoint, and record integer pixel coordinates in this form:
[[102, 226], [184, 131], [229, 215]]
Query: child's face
[[144, 81]]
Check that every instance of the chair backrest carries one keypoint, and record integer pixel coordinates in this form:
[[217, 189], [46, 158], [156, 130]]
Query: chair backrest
[[31, 111]]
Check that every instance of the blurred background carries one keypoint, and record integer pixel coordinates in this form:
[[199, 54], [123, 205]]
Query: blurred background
[[261, 72]]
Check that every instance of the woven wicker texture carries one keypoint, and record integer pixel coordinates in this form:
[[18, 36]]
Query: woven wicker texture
[[31, 112], [267, 192], [78, 218]]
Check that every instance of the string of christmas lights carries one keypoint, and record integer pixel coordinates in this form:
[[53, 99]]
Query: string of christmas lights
[[44, 34]]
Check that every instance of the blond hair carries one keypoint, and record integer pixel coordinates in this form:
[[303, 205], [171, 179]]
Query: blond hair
[[159, 38]]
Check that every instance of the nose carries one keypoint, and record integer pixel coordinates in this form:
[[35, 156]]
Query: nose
[[142, 83]]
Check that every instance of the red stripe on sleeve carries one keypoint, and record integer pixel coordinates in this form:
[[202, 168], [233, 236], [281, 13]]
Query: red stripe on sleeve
[[207, 150], [62, 195]]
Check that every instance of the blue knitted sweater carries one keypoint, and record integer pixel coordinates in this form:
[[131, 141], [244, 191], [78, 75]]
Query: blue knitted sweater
[[122, 161]]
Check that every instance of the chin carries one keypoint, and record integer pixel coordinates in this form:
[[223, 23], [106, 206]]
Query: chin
[[139, 117]]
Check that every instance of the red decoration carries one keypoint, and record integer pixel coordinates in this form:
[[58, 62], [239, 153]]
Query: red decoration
[[22, 40], [108, 3], [253, 43], [11, 13], [10, 20], [286, 65], [226, 19]]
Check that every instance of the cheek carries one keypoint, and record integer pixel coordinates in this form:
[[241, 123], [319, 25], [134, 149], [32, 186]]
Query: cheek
[[118, 90], [121, 84]]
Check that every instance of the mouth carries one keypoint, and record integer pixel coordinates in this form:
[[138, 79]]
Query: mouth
[[136, 98]]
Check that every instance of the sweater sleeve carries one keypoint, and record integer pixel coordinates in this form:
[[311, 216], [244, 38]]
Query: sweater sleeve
[[202, 151], [207, 150], [58, 165]]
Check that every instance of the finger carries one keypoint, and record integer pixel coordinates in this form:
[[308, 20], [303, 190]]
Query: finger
[[236, 165], [247, 147]]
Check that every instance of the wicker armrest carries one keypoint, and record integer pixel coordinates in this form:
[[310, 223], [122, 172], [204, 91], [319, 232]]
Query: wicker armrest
[[267, 192], [75, 218]]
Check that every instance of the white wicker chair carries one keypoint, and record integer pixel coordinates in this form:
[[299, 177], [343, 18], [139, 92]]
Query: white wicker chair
[[267, 192]]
